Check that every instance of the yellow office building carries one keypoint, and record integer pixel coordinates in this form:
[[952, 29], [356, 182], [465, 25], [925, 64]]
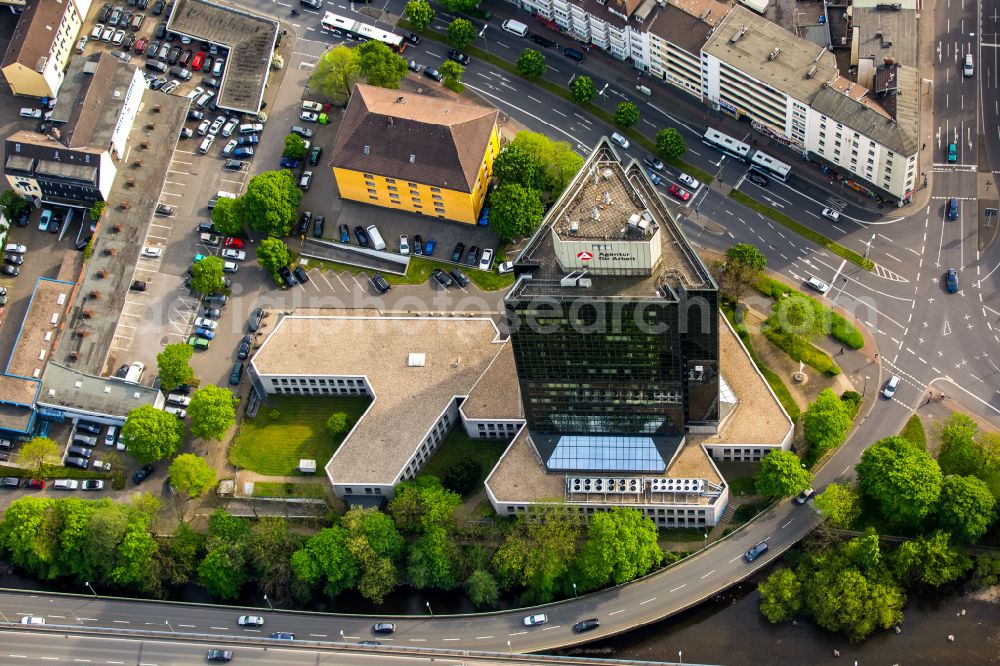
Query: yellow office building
[[413, 152]]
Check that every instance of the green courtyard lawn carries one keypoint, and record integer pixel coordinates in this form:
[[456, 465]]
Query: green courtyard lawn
[[459, 446], [274, 446]]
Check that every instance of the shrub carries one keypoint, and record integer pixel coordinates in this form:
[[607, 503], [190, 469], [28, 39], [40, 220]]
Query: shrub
[[771, 287], [274, 414], [844, 331], [336, 425], [463, 476], [801, 350], [852, 399]]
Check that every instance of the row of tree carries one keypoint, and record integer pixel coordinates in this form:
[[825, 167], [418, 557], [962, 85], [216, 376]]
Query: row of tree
[[416, 542]]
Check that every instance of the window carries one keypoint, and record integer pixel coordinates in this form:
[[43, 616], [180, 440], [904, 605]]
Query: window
[[392, 188], [368, 176], [435, 189], [412, 185], [436, 197]]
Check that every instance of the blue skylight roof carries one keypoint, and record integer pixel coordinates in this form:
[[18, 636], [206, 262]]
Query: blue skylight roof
[[596, 453]]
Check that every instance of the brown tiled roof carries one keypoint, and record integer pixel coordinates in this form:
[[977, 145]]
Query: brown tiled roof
[[37, 27], [680, 28], [413, 137]]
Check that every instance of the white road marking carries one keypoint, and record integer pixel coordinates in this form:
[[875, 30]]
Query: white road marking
[[709, 574], [642, 603], [677, 588], [620, 610]]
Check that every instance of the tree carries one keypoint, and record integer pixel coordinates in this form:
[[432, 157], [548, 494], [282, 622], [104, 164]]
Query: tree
[[212, 411], [903, 480], [419, 13], [97, 210], [380, 66], [558, 161], [270, 202], [325, 560], [295, 147], [336, 73], [172, 364], [840, 504], [515, 212], [482, 589], [454, 6], [451, 71], [538, 552], [825, 423], [223, 571], [670, 144], [269, 552], [742, 268], [781, 475], [191, 475], [12, 204], [515, 165], [845, 600], [530, 64], [378, 531], [272, 254], [960, 452], [463, 476], [207, 275], [151, 434], [461, 33], [38, 452], [967, 507], [423, 504], [434, 560], [780, 596], [582, 90], [337, 424], [227, 216], [621, 545], [930, 560], [626, 115]]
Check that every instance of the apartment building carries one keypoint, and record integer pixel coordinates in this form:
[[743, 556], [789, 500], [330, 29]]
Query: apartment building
[[41, 46], [675, 39]]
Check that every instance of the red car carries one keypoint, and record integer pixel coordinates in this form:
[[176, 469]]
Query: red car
[[141, 44], [35, 484], [196, 63], [679, 192], [236, 243]]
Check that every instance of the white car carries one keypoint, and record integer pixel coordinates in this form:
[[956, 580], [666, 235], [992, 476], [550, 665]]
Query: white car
[[176, 411], [689, 181], [111, 436], [620, 140], [203, 127], [486, 261], [230, 147], [250, 621], [505, 267], [196, 93], [230, 126], [535, 620], [32, 619], [890, 387], [205, 322], [152, 252], [231, 253], [230, 267], [311, 106], [179, 399], [818, 285], [404, 244], [831, 214], [28, 112], [309, 117]]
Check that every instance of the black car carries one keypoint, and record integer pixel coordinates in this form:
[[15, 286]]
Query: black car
[[236, 374], [195, 114], [473, 256], [652, 163], [219, 655], [283, 636], [361, 235], [300, 274], [413, 65], [461, 278], [79, 451], [74, 461], [141, 474], [245, 345], [418, 244], [345, 234], [411, 38], [541, 41], [459, 57], [233, 165], [318, 226], [432, 73], [56, 225], [381, 286], [442, 278], [13, 259], [158, 7], [286, 276], [586, 625], [22, 218], [255, 318], [105, 13], [183, 389], [89, 428], [10, 482], [459, 251], [173, 55], [758, 178], [304, 221], [205, 228], [161, 30], [12, 271]]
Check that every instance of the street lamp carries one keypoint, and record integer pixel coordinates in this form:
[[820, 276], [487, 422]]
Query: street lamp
[[680, 657], [169, 627], [342, 639], [706, 540], [268, 602], [509, 648], [486, 41], [90, 587], [575, 595], [428, 604]]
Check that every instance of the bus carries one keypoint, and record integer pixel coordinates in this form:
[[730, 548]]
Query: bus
[[770, 166], [348, 28], [726, 144]]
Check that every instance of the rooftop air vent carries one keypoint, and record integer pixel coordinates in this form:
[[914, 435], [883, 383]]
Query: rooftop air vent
[[812, 72], [739, 33], [595, 213], [367, 150], [574, 227], [773, 54], [416, 360]]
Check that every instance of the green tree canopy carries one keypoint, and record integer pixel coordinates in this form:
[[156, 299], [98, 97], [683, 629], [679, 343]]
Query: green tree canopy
[[967, 507], [454, 6], [461, 33], [227, 216], [12, 204], [781, 475], [621, 545], [538, 552], [670, 144], [269, 553], [558, 161], [482, 589], [840, 504], [780, 596], [271, 201], [826, 422], [904, 481], [530, 64], [422, 504], [452, 73], [191, 475], [419, 13], [514, 212], [845, 600], [150, 434], [463, 477], [224, 569], [295, 147], [742, 268], [380, 66], [207, 275], [582, 90], [38, 452], [930, 560], [434, 560], [626, 115], [515, 165], [172, 364], [965, 450], [212, 411], [377, 529], [326, 562], [336, 73], [337, 424], [272, 254]]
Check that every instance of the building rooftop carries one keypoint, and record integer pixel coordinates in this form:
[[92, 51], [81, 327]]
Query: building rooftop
[[250, 39], [29, 153], [869, 117], [710, 11], [43, 323], [747, 40], [682, 28], [64, 387], [609, 221], [413, 137], [885, 34], [496, 395], [91, 100], [16, 418], [408, 399], [19, 391], [36, 29]]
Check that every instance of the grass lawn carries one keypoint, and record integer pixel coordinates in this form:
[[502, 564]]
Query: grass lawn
[[458, 446], [420, 269], [275, 445], [913, 432], [268, 489]]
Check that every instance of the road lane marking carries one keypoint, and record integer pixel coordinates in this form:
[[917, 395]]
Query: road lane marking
[[92, 619], [318, 635], [709, 574], [643, 603], [555, 627], [788, 523], [739, 556], [677, 588], [61, 617], [121, 622], [418, 640], [451, 639], [49, 658], [517, 633], [620, 610], [219, 628], [186, 625], [479, 638]]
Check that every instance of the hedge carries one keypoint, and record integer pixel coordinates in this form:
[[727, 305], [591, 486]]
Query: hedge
[[801, 349], [836, 325]]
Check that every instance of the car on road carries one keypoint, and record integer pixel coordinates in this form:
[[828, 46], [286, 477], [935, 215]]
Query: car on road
[[232, 253], [250, 621], [653, 176], [283, 636], [152, 252], [456, 255], [817, 285], [383, 628], [412, 38], [831, 214], [952, 153], [93, 484], [33, 620], [544, 42], [620, 140], [288, 163], [413, 66], [951, 280], [459, 57], [380, 284], [219, 655], [361, 235], [690, 181], [433, 74], [535, 620], [756, 551], [806, 495], [758, 178], [652, 163], [679, 192], [951, 209], [890, 387], [442, 278], [345, 234], [586, 625], [141, 474], [246, 344]]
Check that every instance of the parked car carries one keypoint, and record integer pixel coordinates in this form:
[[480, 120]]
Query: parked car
[[541, 41], [243, 152], [433, 74], [505, 267], [486, 261], [461, 278], [255, 319], [93, 484], [141, 474], [152, 252], [236, 374], [679, 192], [288, 163], [318, 226], [652, 163], [232, 253], [306, 180], [361, 235], [456, 255], [10, 482], [314, 155], [200, 344], [246, 344], [77, 462], [286, 276], [304, 132], [442, 278], [345, 234], [380, 284], [300, 274], [473, 256], [689, 181]]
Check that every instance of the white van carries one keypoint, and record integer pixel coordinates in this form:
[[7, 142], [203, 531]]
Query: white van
[[515, 27], [376, 238], [15, 248], [109, 439], [135, 371]]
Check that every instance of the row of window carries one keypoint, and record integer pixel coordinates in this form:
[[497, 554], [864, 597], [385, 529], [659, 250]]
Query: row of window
[[670, 517], [368, 491], [292, 381], [428, 446], [318, 390]]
